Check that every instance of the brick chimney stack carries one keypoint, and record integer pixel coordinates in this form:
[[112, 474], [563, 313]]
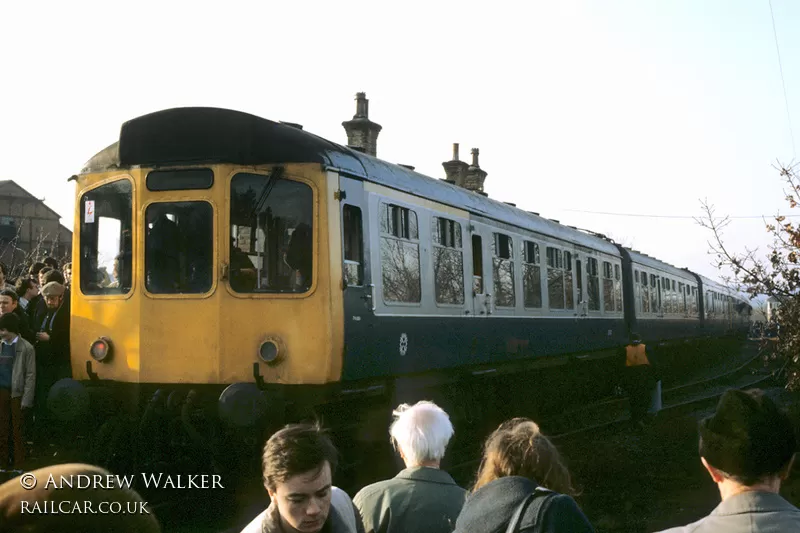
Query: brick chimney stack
[[475, 176], [362, 133], [455, 169], [470, 177]]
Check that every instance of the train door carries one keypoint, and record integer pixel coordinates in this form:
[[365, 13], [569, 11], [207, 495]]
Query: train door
[[482, 303], [359, 293], [582, 303], [659, 279]]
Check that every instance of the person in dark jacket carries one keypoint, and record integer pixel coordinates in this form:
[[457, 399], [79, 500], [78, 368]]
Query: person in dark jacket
[[33, 273], [52, 352], [41, 306], [518, 461], [638, 376]]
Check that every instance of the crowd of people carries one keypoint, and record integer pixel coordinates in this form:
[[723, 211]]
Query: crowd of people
[[34, 353], [522, 484]]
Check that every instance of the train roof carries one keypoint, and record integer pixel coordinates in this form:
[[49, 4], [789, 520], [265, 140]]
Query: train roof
[[203, 135], [652, 262], [710, 284]]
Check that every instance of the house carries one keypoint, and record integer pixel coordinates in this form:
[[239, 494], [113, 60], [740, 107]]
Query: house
[[29, 230]]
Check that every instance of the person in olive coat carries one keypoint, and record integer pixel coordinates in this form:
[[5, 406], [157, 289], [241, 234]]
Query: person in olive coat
[[422, 497]]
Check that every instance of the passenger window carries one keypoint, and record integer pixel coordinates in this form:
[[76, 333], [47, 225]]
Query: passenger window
[[503, 264], [400, 255], [179, 247], [593, 284], [353, 244], [531, 275], [558, 282], [608, 287], [617, 289], [448, 261], [106, 240], [400, 222], [272, 244]]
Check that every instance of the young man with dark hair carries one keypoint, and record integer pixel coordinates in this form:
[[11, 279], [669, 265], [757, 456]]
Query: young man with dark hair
[[34, 269], [299, 462], [748, 448], [26, 290], [33, 273], [42, 273], [51, 262]]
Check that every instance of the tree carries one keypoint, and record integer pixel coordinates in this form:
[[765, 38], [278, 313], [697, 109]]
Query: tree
[[777, 273]]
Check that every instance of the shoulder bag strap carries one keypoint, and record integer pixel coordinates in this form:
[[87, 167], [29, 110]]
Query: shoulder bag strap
[[537, 498]]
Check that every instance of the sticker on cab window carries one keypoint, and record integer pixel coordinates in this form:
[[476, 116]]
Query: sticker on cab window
[[88, 216]]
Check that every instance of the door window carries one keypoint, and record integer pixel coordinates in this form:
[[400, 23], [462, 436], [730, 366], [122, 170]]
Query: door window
[[353, 235], [179, 247]]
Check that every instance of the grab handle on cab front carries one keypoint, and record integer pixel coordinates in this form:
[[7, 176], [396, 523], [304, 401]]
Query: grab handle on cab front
[[369, 296]]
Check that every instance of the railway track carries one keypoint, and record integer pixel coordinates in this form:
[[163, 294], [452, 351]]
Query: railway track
[[612, 415]]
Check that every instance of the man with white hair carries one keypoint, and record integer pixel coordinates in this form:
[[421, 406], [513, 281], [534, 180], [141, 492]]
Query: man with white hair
[[421, 497]]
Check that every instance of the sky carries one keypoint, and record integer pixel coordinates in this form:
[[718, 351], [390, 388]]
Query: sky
[[578, 107]]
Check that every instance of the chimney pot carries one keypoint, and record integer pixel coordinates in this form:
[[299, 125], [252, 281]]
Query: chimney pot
[[362, 106], [475, 153], [455, 151]]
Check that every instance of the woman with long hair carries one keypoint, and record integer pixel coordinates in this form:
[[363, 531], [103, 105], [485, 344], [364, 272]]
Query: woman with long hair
[[521, 479]]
